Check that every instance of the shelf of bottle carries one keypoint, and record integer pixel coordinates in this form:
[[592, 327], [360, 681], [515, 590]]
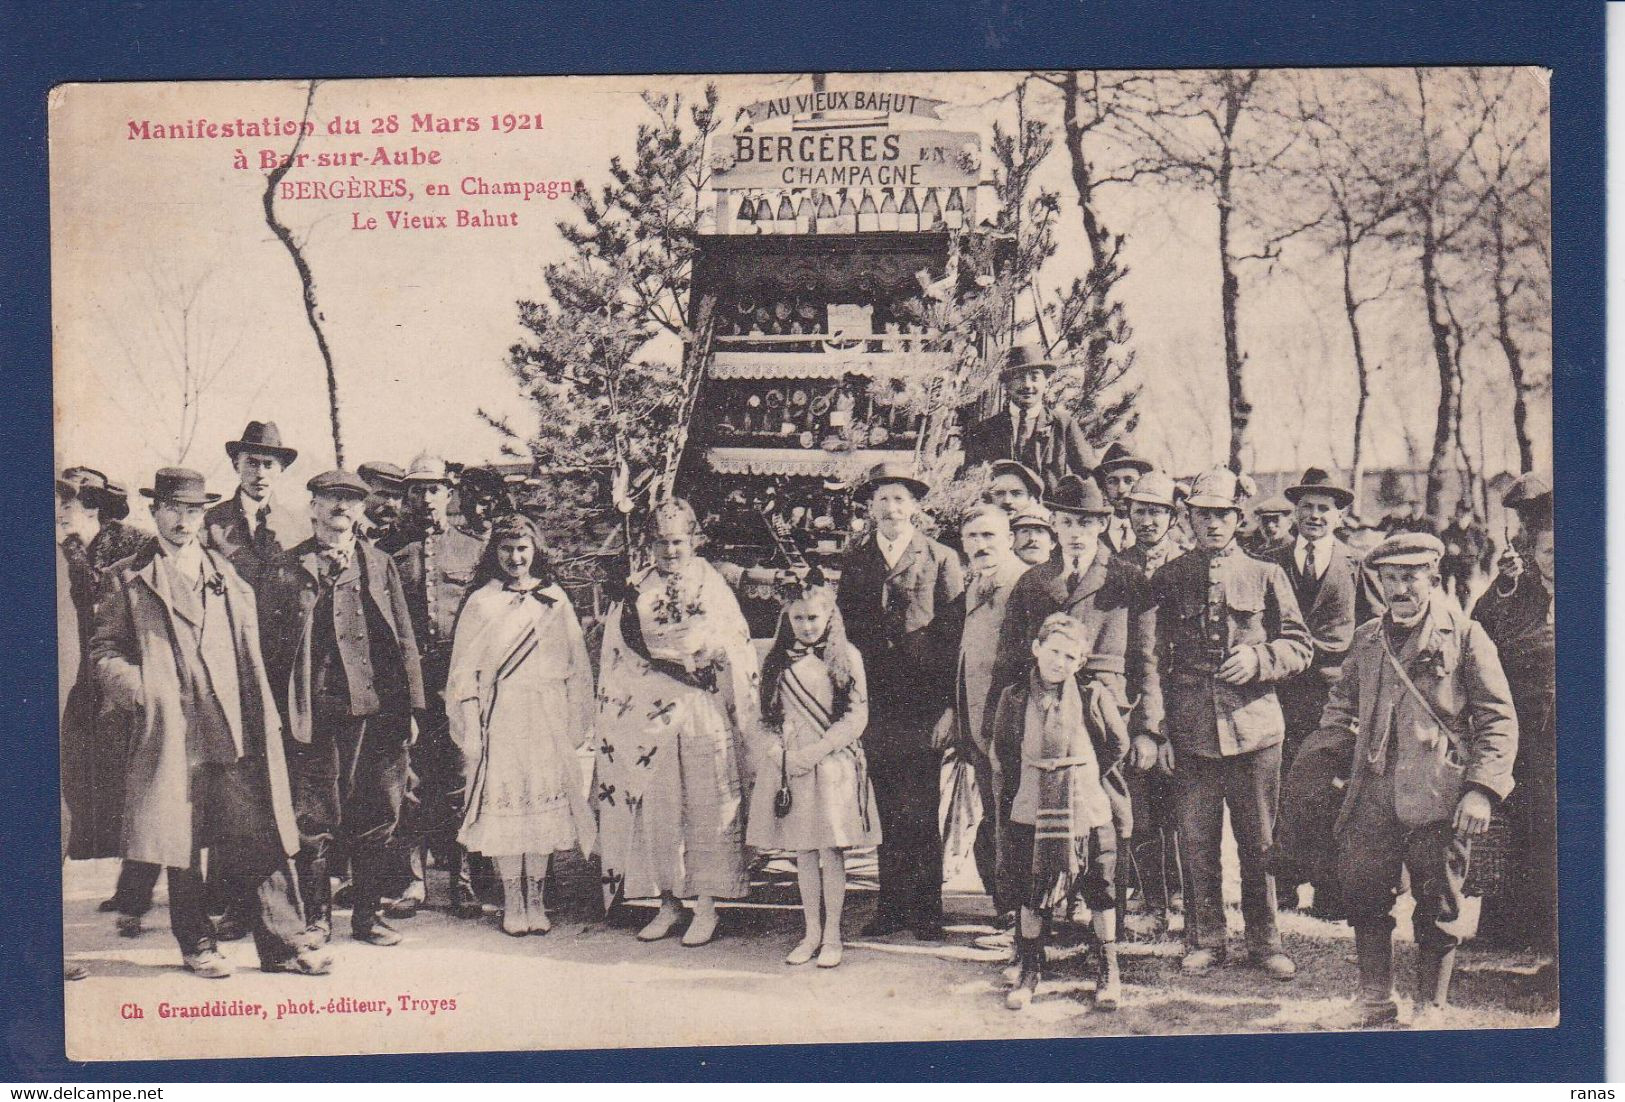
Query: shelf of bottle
[[796, 210], [899, 358], [802, 462]]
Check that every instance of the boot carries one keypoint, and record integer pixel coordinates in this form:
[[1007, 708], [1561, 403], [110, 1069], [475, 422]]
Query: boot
[[316, 890], [535, 905], [1374, 1006], [464, 903], [1030, 952], [1434, 970], [515, 915], [1108, 982]]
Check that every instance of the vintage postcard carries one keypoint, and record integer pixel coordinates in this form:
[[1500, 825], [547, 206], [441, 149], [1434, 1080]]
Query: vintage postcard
[[595, 562]]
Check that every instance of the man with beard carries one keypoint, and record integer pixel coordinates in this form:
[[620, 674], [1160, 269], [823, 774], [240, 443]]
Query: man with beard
[[343, 661], [384, 505], [1051, 443], [436, 566]]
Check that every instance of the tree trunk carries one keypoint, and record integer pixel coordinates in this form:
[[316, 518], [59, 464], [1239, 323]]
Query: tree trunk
[[1509, 344], [1449, 410], [1362, 374], [1093, 231], [1229, 302]]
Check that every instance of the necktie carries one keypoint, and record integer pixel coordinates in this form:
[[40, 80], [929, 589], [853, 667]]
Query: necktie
[[1073, 578], [262, 531], [1309, 561], [337, 561]]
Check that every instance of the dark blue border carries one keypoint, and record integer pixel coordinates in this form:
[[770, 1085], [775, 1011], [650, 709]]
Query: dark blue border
[[45, 44]]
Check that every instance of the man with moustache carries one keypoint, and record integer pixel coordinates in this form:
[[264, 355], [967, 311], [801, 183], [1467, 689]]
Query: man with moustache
[[343, 661], [1033, 531], [994, 570], [1424, 712], [1335, 596], [252, 526], [1228, 631], [176, 646], [384, 505], [895, 583], [1117, 474], [437, 566], [1049, 443]]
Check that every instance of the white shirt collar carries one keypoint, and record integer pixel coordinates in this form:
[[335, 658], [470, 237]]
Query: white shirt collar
[[185, 561], [1323, 553], [1080, 565], [250, 507], [892, 550]]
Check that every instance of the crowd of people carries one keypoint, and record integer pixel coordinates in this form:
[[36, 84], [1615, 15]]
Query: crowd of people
[[290, 709]]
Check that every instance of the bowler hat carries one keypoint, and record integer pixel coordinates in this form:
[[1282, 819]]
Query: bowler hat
[[1273, 505], [1032, 516], [1034, 484], [381, 476], [1119, 456], [901, 473], [1155, 488], [1317, 481], [1220, 488], [1527, 490], [338, 484], [261, 436], [1078, 496], [1406, 549], [1024, 357], [428, 468], [180, 486]]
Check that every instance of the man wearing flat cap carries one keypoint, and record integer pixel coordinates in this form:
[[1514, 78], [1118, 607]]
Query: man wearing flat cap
[[385, 505], [177, 648], [1518, 613], [252, 526], [1424, 713], [1335, 596], [1032, 530], [1117, 474], [1228, 631], [437, 565], [343, 662], [895, 583], [1273, 520], [1051, 443]]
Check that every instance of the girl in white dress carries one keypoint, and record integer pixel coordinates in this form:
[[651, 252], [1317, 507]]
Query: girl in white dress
[[519, 700], [814, 709]]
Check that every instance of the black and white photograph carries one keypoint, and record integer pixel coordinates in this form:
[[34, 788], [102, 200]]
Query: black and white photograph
[[609, 562]]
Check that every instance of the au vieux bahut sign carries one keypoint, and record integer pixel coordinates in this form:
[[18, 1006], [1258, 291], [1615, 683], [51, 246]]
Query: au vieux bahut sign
[[845, 155]]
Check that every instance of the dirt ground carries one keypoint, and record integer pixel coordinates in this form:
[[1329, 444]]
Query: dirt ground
[[591, 984]]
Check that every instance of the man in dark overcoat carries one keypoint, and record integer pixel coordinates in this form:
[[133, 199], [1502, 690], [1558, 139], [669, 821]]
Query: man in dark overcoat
[[1119, 471], [343, 661], [253, 526], [895, 583], [177, 646], [1228, 631], [1052, 443]]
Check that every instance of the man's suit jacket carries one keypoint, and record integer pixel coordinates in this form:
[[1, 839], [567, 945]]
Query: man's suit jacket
[[1345, 599], [1056, 447], [891, 616], [288, 594], [226, 530]]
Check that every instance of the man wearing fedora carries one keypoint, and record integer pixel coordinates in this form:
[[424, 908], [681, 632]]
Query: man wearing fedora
[[1117, 474], [1087, 582], [1228, 631], [1154, 870], [343, 662], [1050, 443], [895, 584], [437, 565], [1424, 713], [1335, 595], [93, 535], [252, 526], [385, 505], [1012, 486], [1033, 530], [177, 647]]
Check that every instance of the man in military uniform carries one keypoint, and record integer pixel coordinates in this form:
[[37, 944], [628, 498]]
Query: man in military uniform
[[384, 507], [895, 584], [1051, 443], [1228, 630], [436, 568], [1426, 717], [343, 663], [1119, 470], [1272, 518], [1153, 864]]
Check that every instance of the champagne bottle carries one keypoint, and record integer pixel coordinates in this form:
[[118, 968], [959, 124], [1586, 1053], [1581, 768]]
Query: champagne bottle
[[764, 215], [804, 215], [954, 213], [908, 215], [785, 219], [747, 214], [931, 211], [868, 215], [826, 214], [846, 220], [888, 212]]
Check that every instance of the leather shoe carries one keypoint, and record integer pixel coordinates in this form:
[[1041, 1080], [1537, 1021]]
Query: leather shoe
[[207, 963], [108, 906], [404, 907], [1277, 965], [379, 933], [881, 926], [72, 971], [228, 927], [306, 962], [1200, 961], [129, 925]]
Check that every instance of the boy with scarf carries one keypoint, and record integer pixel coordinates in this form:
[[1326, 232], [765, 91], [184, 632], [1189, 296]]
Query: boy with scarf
[[1061, 841]]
